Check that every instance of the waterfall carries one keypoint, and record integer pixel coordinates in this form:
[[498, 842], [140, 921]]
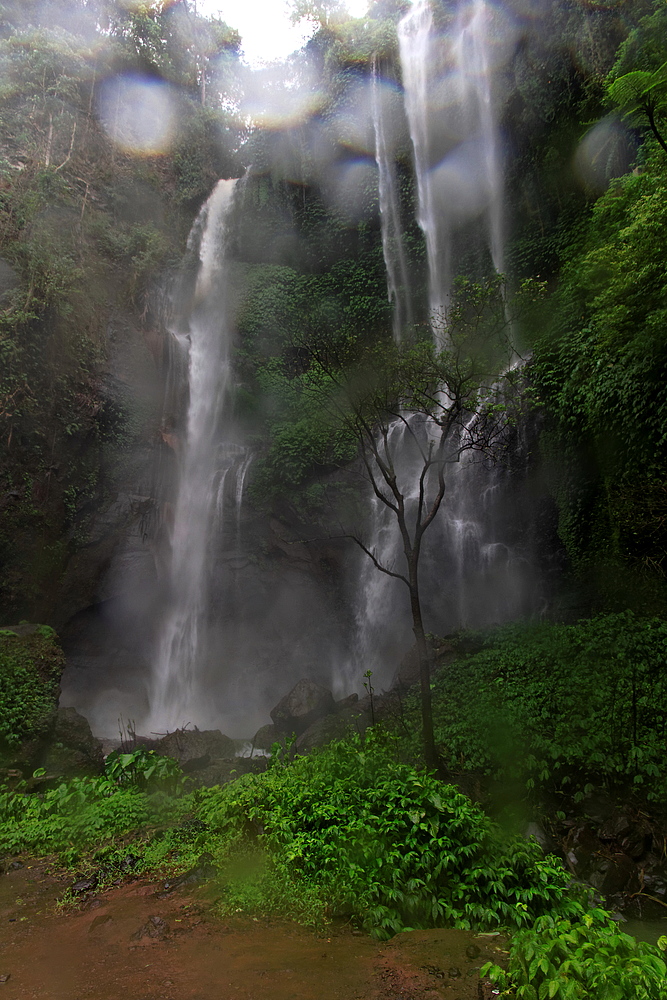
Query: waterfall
[[390, 215], [449, 106], [476, 569], [211, 470]]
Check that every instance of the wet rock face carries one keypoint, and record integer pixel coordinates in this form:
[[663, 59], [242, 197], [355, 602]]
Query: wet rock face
[[31, 665], [265, 737], [333, 727], [623, 859], [194, 745], [305, 704], [73, 749]]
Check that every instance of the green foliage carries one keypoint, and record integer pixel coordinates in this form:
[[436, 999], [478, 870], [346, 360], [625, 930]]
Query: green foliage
[[561, 709], [78, 814], [584, 957], [373, 838], [30, 670], [600, 375], [144, 769]]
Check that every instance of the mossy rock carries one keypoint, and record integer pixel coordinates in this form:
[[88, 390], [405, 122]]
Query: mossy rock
[[31, 665]]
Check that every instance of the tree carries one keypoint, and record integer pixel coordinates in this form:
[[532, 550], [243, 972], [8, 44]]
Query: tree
[[643, 95], [320, 13], [415, 410]]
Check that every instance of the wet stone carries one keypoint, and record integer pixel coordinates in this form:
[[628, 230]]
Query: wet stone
[[202, 872], [85, 884], [155, 927]]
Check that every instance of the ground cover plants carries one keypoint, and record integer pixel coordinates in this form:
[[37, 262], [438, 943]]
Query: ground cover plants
[[559, 710], [351, 832]]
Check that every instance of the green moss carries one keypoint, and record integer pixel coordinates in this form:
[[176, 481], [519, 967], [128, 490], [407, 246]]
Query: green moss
[[31, 663]]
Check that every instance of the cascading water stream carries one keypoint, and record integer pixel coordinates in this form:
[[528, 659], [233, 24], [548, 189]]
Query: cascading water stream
[[414, 38], [471, 48], [454, 138], [478, 575], [210, 462], [390, 213]]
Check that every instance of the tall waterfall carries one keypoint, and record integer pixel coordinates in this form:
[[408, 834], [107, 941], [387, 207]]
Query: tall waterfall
[[393, 250], [449, 106], [476, 569], [211, 470]]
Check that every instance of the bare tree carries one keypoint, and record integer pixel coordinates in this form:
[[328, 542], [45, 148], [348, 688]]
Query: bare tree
[[415, 410]]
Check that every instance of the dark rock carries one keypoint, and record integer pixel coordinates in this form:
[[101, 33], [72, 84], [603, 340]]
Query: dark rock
[[5, 978], [612, 875], [349, 702], [265, 737], [332, 727], [472, 951], [73, 748], [407, 673], [14, 866], [306, 703], [538, 833], [221, 772], [454, 973], [128, 863], [192, 744], [155, 927], [615, 827], [202, 872], [85, 884], [196, 764]]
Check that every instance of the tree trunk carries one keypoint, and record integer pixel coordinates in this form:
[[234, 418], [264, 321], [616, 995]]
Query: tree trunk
[[428, 738]]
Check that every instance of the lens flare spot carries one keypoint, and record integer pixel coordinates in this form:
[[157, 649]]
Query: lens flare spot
[[138, 114], [605, 152], [280, 96]]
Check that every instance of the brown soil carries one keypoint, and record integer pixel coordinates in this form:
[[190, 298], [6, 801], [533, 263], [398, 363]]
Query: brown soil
[[133, 942]]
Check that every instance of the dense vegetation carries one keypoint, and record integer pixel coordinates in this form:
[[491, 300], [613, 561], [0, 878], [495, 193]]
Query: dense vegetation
[[546, 715], [30, 669], [356, 831]]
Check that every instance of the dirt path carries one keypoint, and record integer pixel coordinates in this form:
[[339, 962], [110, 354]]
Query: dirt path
[[135, 943]]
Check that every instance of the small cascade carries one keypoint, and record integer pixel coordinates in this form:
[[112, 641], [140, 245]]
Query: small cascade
[[390, 215], [212, 466]]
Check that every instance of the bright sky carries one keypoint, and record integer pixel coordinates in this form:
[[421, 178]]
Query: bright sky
[[264, 25]]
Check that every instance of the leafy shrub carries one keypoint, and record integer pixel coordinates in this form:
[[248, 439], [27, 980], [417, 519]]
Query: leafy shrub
[[30, 669], [144, 769], [369, 837], [561, 706], [576, 959], [77, 814]]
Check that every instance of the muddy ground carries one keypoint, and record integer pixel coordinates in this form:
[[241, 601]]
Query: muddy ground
[[133, 942]]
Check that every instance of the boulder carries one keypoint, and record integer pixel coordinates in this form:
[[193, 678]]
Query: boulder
[[193, 744], [306, 703], [73, 750], [265, 737], [345, 703], [332, 727]]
